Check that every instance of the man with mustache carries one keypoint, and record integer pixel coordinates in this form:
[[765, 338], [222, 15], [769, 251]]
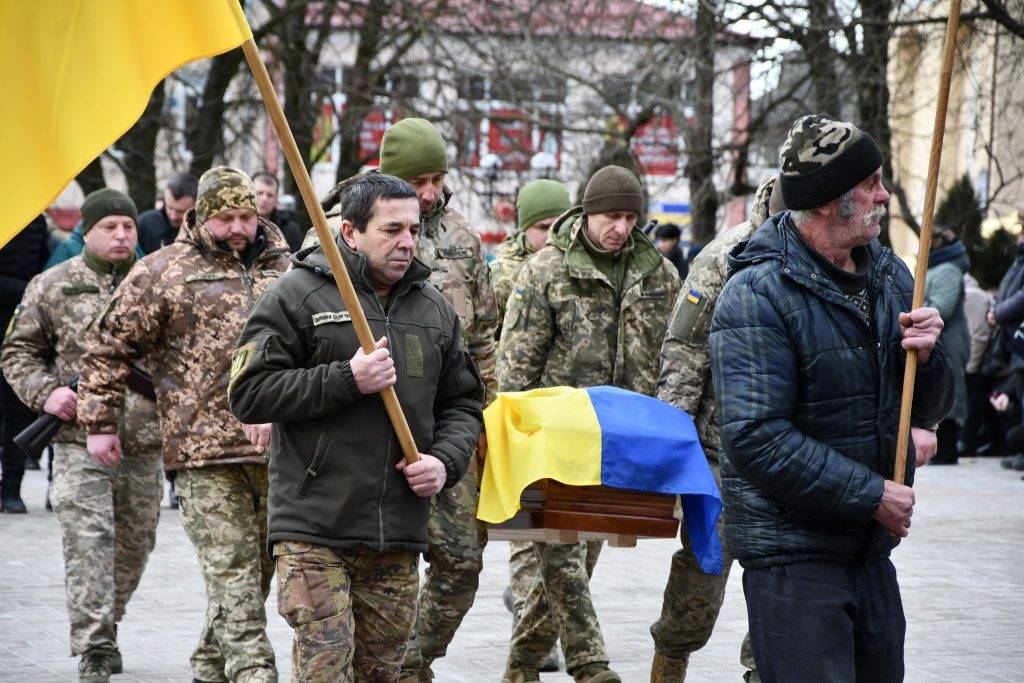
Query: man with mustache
[[348, 514], [808, 346]]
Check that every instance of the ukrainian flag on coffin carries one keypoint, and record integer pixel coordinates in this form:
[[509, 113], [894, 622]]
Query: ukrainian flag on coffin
[[601, 435]]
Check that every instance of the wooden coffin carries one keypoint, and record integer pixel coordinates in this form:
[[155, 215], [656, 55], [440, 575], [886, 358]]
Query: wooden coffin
[[555, 512]]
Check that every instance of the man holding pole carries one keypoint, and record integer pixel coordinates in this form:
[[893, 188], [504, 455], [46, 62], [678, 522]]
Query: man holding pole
[[808, 345], [181, 309], [348, 514]]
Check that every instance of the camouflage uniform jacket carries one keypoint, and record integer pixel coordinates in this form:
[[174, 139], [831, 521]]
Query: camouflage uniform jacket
[[685, 379], [45, 341], [181, 308], [564, 325], [504, 269], [450, 247]]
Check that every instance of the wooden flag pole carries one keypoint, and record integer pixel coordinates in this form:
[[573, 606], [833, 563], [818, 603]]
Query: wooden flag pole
[[316, 212], [925, 245]]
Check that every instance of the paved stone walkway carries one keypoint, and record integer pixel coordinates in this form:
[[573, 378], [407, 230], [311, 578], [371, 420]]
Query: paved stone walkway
[[962, 573]]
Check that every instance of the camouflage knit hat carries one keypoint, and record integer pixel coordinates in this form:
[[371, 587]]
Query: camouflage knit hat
[[106, 202], [541, 199], [824, 158], [223, 188], [412, 147]]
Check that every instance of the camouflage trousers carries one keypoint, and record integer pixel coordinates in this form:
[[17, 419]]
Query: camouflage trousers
[[558, 607], [455, 554], [693, 600], [224, 512], [352, 610], [108, 520], [522, 569]]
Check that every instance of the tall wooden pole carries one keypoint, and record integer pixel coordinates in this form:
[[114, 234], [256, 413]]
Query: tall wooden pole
[[941, 104], [316, 212]]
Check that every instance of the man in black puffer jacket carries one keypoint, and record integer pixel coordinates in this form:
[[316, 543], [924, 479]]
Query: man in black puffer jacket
[[807, 346]]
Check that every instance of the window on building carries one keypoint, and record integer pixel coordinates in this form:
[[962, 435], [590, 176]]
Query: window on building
[[471, 88]]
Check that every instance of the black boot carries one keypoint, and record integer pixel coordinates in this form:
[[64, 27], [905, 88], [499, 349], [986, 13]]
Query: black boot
[[10, 493]]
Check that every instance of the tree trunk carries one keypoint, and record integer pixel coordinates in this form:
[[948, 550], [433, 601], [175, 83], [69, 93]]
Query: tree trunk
[[821, 59], [698, 135], [138, 147], [91, 178], [359, 86], [205, 137], [873, 93], [299, 62]]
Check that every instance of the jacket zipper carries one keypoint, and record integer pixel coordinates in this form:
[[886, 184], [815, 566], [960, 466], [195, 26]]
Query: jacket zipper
[[387, 457]]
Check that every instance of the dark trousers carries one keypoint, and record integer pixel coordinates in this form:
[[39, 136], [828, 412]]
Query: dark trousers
[[983, 426], [826, 621], [16, 417]]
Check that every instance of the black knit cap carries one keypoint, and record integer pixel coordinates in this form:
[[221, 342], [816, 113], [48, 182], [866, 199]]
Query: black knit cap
[[106, 202], [823, 159]]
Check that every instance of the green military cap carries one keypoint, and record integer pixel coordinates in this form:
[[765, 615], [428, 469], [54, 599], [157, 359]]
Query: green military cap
[[412, 147], [106, 202], [541, 199]]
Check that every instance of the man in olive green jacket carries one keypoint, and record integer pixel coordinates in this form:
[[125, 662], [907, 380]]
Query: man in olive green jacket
[[589, 309], [348, 515]]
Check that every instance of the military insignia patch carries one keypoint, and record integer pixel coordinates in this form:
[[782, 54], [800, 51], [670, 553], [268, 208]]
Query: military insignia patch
[[14, 319], [331, 317], [694, 297], [240, 358], [413, 355], [72, 290], [518, 294]]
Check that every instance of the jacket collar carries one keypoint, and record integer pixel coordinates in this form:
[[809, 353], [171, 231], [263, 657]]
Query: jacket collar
[[269, 242], [566, 236], [313, 258]]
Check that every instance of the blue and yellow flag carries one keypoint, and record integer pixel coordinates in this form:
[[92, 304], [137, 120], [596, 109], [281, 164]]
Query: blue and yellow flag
[[601, 435], [77, 74]]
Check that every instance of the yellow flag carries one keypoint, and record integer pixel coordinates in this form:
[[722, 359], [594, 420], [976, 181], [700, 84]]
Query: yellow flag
[[77, 74]]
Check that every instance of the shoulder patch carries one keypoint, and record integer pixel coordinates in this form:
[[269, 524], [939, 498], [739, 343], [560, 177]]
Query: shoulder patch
[[694, 297], [240, 359], [331, 317], [14, 319], [455, 252]]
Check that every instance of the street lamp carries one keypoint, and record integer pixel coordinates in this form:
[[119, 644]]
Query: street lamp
[[543, 164]]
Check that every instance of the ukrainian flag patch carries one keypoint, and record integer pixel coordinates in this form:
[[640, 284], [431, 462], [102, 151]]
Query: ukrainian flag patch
[[694, 297], [518, 294]]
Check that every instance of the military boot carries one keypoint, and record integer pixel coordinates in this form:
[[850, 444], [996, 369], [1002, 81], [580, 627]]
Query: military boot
[[596, 673], [10, 493], [667, 669], [94, 667], [520, 676]]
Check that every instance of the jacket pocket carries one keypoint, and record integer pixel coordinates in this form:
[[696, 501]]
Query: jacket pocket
[[323, 444]]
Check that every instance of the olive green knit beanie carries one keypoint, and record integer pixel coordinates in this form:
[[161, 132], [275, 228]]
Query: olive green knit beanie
[[613, 188], [412, 147], [106, 202], [541, 199]]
